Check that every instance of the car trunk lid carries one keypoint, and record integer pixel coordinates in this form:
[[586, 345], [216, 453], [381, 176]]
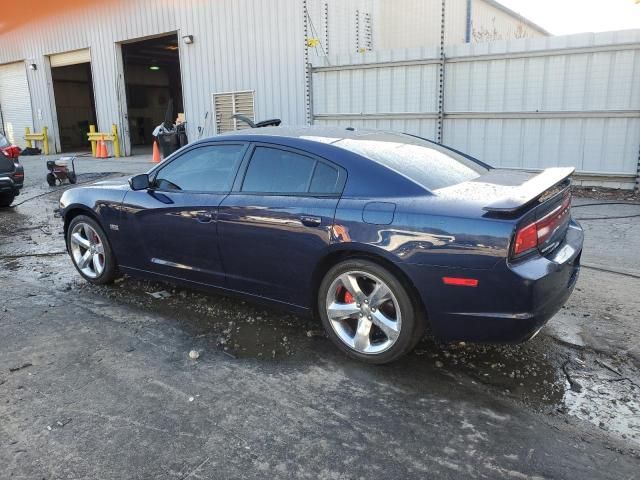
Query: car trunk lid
[[539, 203]]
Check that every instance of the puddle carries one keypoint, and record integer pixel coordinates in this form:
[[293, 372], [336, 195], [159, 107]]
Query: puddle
[[604, 398], [538, 374], [231, 325], [527, 371]]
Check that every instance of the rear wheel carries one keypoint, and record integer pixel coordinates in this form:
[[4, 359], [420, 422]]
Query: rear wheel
[[368, 313], [6, 199], [51, 179], [90, 250]]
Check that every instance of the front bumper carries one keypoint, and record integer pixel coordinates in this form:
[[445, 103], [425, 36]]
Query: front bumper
[[512, 301]]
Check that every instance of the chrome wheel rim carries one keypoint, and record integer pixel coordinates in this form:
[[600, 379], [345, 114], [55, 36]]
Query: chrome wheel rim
[[87, 250], [363, 312]]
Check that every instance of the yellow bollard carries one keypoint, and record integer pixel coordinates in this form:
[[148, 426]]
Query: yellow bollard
[[116, 141], [92, 129], [27, 131], [45, 140]]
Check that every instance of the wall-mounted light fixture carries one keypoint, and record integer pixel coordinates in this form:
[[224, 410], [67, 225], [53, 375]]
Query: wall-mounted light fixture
[[33, 66], [188, 39]]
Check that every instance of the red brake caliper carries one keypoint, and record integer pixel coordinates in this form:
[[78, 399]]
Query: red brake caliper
[[97, 241], [348, 298]]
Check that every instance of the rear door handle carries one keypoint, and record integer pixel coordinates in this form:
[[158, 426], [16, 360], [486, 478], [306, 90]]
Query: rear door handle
[[204, 217], [310, 220]]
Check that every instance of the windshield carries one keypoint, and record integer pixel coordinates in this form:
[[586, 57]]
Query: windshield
[[426, 163], [3, 141]]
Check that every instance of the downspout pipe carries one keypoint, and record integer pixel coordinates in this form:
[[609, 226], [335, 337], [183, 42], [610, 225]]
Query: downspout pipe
[[467, 30]]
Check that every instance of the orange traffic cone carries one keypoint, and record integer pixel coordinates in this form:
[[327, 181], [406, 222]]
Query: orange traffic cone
[[101, 151], [156, 153]]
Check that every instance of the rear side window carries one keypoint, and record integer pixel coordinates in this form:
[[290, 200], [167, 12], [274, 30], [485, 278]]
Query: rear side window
[[204, 169], [272, 170], [325, 179], [427, 164]]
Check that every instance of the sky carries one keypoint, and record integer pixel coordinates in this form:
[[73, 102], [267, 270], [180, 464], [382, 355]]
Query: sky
[[563, 17]]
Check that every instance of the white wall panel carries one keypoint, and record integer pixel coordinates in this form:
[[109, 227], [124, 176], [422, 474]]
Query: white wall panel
[[531, 103]]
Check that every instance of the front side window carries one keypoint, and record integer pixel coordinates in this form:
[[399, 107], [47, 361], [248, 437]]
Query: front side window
[[205, 169], [272, 170]]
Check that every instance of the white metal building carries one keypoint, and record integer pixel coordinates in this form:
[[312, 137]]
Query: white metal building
[[88, 66], [350, 26]]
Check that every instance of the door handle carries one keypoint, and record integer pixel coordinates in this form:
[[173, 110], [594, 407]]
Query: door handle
[[310, 220], [204, 217]]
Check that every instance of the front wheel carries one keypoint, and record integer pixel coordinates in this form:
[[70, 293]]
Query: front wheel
[[368, 313], [90, 250]]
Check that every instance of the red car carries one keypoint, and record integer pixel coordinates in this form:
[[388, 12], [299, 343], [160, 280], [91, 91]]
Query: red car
[[11, 172]]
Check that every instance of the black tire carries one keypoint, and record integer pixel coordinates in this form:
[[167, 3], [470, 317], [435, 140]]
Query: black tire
[[412, 324], [72, 178], [51, 179], [110, 271], [6, 199]]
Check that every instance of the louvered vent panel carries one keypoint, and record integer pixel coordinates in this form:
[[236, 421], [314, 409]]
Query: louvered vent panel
[[228, 104]]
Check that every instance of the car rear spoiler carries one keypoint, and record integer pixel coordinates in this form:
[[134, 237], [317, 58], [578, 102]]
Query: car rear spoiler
[[531, 189]]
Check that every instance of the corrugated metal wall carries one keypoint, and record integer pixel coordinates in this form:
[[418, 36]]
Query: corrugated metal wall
[[533, 103], [238, 45], [406, 23]]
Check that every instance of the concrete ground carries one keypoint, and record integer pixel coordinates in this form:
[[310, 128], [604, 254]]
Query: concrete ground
[[96, 382]]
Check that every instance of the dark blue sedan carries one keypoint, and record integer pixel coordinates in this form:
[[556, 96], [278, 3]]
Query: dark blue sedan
[[379, 234]]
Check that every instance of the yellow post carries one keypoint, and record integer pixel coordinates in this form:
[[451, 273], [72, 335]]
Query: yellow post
[[116, 142], [27, 131], [92, 129], [45, 140]]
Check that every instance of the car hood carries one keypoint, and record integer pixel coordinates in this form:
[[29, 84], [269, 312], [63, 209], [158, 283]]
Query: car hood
[[117, 183]]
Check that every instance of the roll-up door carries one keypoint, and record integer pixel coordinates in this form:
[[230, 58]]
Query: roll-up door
[[15, 102], [70, 58]]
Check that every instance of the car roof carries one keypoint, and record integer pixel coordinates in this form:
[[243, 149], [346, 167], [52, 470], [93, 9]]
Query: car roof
[[320, 134]]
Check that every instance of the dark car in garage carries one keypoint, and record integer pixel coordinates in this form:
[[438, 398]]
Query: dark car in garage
[[379, 234], [11, 172]]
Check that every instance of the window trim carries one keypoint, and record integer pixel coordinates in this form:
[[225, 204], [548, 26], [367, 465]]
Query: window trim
[[242, 173], [153, 174]]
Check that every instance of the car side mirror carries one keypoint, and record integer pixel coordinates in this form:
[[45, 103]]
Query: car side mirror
[[139, 182]]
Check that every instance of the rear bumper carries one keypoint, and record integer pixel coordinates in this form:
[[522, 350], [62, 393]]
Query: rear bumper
[[12, 182], [511, 303]]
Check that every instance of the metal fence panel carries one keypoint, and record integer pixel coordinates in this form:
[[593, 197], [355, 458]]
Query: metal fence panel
[[529, 104]]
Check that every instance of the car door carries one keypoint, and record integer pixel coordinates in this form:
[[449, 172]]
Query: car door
[[172, 226], [276, 223]]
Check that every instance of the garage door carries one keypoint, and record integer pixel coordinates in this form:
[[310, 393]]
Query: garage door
[[15, 102], [70, 58]]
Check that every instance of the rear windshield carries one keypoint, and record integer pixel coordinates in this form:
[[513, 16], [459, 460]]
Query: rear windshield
[[3, 141], [426, 163]]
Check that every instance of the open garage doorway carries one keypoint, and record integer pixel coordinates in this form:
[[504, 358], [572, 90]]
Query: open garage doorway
[[74, 100], [153, 85]]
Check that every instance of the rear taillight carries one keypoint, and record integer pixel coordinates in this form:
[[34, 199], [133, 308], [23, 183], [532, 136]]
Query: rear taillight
[[526, 239], [11, 151], [537, 233]]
